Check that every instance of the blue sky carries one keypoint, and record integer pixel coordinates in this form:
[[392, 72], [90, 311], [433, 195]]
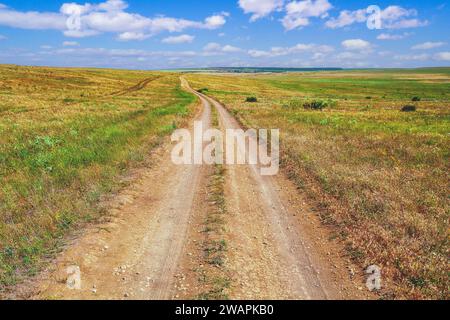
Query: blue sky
[[158, 34]]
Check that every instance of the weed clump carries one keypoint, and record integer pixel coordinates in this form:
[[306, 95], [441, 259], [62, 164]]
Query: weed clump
[[251, 99], [309, 105], [416, 99], [69, 100], [203, 90], [315, 105], [293, 104], [409, 109]]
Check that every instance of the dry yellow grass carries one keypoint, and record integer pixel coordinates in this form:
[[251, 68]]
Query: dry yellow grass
[[379, 177], [65, 137]]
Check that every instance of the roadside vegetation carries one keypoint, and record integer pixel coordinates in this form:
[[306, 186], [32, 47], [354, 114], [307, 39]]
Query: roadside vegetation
[[213, 274], [376, 168], [66, 135]]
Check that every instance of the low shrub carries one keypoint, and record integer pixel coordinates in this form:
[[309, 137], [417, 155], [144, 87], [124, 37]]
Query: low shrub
[[315, 105], [251, 99], [203, 90], [69, 100], [409, 108], [416, 99]]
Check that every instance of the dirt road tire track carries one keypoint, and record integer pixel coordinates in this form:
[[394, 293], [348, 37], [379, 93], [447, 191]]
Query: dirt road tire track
[[139, 86]]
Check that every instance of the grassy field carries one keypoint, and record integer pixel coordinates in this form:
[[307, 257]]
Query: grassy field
[[65, 137], [378, 176]]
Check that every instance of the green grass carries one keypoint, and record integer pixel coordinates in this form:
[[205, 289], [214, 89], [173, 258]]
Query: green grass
[[377, 88], [214, 275], [377, 175]]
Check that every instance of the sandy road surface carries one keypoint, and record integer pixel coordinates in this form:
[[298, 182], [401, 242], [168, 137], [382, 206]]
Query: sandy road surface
[[277, 248]]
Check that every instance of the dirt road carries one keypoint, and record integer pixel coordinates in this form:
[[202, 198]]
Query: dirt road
[[277, 248]]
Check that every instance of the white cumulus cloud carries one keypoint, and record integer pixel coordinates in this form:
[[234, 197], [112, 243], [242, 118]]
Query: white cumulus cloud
[[347, 18], [70, 44], [390, 36], [216, 21], [392, 17], [31, 19], [109, 16], [184, 38], [231, 49], [356, 44], [298, 13], [284, 51], [214, 48], [130, 36], [412, 57], [442, 56], [260, 8], [428, 45]]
